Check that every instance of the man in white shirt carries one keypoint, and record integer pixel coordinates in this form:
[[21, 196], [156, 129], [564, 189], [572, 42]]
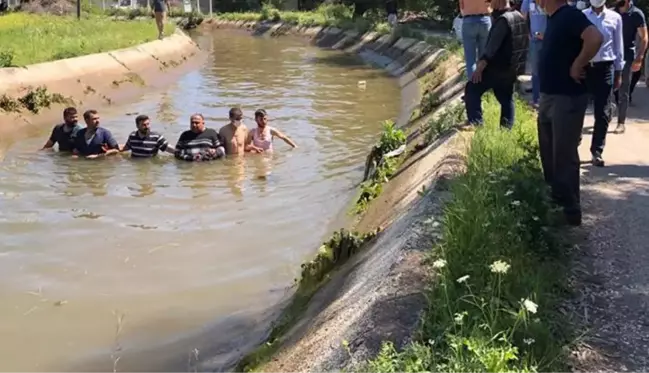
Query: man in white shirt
[[603, 73]]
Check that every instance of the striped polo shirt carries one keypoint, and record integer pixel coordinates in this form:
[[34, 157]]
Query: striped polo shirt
[[148, 146]]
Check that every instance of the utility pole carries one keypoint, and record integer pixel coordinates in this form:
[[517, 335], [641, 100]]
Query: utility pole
[[210, 8], [78, 9]]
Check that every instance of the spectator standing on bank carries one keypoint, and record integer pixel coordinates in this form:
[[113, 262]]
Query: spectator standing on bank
[[476, 22], [538, 21], [160, 8], [604, 72], [569, 43], [391, 10], [635, 77], [502, 62], [634, 24]]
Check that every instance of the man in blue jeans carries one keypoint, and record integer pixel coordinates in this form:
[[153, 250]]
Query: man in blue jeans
[[538, 21], [476, 22], [502, 62]]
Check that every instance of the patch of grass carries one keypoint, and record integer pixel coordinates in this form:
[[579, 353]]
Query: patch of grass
[[33, 101], [500, 271], [32, 38], [451, 117], [391, 139], [333, 253]]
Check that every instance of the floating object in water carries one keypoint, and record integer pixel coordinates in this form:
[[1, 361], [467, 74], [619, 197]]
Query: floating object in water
[[362, 84]]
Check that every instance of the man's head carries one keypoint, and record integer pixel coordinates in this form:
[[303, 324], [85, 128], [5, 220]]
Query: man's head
[[143, 124], [623, 5], [70, 116], [597, 5], [261, 117], [91, 117], [550, 6], [197, 123], [236, 116]]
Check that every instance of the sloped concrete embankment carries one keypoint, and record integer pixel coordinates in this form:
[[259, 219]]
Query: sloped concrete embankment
[[379, 293], [96, 80]]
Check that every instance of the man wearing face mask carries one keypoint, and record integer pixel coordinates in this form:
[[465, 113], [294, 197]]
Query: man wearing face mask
[[634, 24], [234, 134], [604, 72], [145, 143], [569, 44], [199, 143]]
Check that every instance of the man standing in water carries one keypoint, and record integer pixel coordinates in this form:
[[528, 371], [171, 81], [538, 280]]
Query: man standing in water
[[569, 44], [234, 134], [64, 133], [603, 72], [94, 141], [160, 8], [145, 143], [199, 143], [634, 24]]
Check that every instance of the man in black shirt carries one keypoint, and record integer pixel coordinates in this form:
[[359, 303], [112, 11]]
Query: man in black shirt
[[569, 43], [199, 143], [634, 25], [64, 133], [502, 62]]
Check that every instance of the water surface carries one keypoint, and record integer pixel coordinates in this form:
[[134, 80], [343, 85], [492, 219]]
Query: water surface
[[119, 257]]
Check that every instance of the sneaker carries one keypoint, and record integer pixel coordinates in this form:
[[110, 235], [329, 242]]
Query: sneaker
[[620, 128], [613, 109], [597, 160]]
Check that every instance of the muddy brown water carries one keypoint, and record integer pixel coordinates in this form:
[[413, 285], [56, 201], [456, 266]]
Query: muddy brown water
[[192, 258]]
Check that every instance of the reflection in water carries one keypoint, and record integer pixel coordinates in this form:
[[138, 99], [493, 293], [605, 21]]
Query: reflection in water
[[177, 246]]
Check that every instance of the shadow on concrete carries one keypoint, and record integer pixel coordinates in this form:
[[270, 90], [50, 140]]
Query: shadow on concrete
[[611, 270]]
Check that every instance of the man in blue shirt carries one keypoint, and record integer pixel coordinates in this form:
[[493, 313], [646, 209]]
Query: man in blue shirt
[[634, 24], [604, 72], [569, 43], [64, 133], [538, 21], [94, 141]]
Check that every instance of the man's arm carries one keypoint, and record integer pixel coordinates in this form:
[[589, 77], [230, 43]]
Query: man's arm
[[51, 141], [525, 8], [618, 45], [642, 46], [495, 40], [592, 41], [164, 146], [280, 135], [112, 147]]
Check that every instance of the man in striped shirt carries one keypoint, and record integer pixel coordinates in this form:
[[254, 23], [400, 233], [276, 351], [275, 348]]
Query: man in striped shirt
[[199, 143], [145, 143]]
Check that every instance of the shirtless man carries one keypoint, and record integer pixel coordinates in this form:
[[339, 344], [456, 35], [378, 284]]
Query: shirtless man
[[234, 134]]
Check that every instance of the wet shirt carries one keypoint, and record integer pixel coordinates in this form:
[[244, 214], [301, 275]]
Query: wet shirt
[[64, 136], [194, 146], [94, 144], [561, 45], [147, 146], [631, 21]]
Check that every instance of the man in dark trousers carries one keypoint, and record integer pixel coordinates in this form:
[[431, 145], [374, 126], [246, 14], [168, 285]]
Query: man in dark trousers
[[604, 72], [502, 62], [635, 26], [569, 44]]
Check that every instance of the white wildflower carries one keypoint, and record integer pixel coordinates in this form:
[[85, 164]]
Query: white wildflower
[[530, 306], [528, 341], [516, 203], [499, 266], [459, 317], [535, 218], [509, 193], [462, 279], [439, 263]]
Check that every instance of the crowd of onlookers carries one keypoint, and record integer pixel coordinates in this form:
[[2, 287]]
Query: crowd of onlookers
[[578, 52]]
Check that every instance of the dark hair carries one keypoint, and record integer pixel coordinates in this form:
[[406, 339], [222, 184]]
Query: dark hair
[[69, 111], [88, 113], [260, 113], [235, 112], [141, 118]]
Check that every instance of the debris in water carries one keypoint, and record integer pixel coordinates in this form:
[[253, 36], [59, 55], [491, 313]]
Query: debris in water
[[60, 303], [30, 310], [362, 84]]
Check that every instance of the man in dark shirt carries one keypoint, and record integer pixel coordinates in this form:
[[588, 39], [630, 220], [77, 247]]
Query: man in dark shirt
[[569, 43], [94, 141], [391, 10], [145, 143], [634, 25], [64, 133], [502, 62], [199, 143]]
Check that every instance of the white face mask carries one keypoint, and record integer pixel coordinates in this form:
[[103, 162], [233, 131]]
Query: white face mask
[[581, 5], [597, 3]]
